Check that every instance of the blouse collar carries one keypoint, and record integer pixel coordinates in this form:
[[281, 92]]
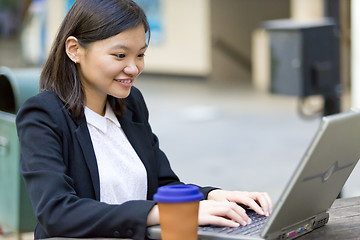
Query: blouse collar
[[99, 121]]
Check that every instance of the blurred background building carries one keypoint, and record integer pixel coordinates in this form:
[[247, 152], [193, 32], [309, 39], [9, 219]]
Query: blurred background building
[[220, 40], [225, 80]]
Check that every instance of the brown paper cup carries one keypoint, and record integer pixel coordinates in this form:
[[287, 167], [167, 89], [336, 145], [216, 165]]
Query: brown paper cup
[[179, 210], [179, 221]]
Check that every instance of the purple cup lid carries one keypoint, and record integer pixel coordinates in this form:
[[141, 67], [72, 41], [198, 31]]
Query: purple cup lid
[[178, 194]]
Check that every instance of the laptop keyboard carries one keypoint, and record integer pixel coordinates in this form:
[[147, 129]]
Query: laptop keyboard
[[252, 229]]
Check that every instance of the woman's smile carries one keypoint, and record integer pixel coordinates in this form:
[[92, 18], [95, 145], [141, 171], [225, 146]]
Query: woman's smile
[[125, 82]]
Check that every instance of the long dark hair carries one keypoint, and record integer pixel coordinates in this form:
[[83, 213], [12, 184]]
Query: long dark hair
[[88, 21]]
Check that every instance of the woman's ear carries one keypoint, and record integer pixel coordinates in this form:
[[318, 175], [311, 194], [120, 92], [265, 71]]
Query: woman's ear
[[72, 48]]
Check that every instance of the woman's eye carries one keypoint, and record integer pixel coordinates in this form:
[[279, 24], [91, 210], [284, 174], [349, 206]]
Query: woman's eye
[[120, 55], [141, 55]]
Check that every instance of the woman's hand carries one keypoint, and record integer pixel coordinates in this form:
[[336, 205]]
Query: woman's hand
[[212, 212], [227, 214], [222, 207], [153, 216]]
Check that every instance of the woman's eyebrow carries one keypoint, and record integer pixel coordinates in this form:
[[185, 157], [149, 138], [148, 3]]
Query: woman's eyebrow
[[121, 46]]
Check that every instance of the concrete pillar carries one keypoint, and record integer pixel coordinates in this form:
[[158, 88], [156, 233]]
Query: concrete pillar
[[355, 56], [55, 15], [307, 9]]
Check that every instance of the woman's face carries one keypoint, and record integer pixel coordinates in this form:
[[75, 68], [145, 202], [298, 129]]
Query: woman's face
[[110, 66]]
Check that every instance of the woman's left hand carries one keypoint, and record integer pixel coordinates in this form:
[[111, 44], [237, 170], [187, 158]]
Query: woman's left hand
[[260, 202]]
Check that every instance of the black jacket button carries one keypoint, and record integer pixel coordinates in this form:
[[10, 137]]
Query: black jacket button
[[116, 234], [129, 233]]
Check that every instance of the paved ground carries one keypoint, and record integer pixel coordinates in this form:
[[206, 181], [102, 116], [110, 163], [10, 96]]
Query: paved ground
[[230, 136]]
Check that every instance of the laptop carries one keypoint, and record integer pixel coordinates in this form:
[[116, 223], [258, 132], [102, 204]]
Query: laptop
[[314, 186]]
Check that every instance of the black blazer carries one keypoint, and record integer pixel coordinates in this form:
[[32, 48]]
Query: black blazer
[[59, 167]]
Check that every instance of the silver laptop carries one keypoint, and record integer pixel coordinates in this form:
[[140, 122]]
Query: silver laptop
[[313, 187]]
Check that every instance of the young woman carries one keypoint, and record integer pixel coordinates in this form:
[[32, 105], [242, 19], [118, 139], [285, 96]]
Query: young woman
[[90, 160]]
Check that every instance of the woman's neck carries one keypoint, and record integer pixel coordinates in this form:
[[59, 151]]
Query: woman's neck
[[96, 104]]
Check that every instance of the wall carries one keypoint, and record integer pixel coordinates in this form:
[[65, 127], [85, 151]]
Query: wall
[[186, 46], [232, 25], [191, 30]]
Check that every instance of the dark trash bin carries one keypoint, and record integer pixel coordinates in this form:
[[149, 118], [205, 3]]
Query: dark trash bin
[[305, 61], [304, 57], [16, 86]]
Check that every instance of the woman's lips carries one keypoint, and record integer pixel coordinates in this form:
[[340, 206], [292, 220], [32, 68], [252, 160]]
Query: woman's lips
[[126, 81]]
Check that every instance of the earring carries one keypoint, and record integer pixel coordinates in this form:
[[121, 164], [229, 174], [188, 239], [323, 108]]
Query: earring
[[75, 61]]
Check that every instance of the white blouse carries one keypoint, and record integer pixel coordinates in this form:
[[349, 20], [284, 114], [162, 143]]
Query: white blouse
[[122, 175]]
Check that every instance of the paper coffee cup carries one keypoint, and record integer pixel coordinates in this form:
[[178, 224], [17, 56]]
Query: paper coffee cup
[[179, 210]]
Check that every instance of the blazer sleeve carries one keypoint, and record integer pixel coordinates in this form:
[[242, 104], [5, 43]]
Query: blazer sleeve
[[60, 211]]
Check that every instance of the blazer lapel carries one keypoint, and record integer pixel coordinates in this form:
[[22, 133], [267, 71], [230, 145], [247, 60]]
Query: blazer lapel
[[134, 132], [83, 136]]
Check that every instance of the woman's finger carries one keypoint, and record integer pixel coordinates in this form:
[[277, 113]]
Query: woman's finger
[[261, 201], [216, 220], [222, 210]]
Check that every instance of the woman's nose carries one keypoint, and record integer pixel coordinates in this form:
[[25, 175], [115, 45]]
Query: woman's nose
[[131, 69]]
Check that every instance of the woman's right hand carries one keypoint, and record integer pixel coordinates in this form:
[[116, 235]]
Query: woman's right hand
[[228, 214]]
